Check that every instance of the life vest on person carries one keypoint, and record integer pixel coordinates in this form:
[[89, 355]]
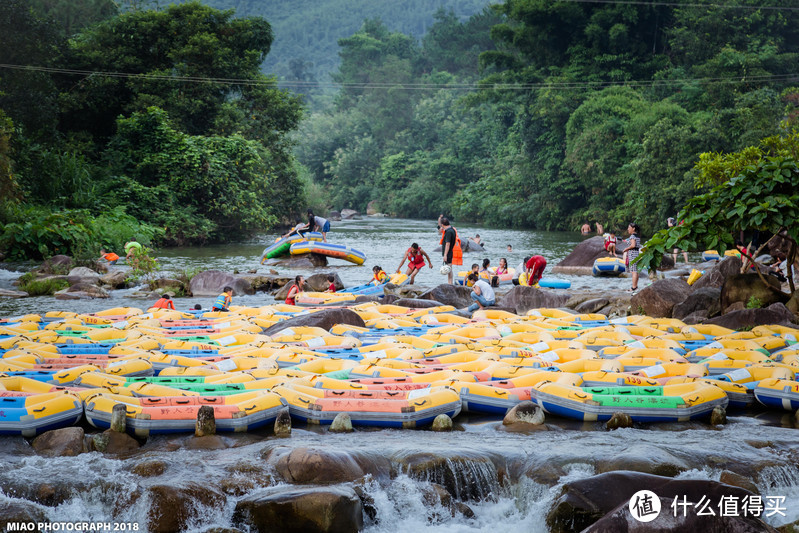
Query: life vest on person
[[111, 257], [293, 292], [380, 278], [415, 259], [457, 251], [163, 303], [222, 302]]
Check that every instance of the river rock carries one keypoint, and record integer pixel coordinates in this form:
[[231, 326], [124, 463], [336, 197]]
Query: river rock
[[325, 319], [334, 216], [585, 253], [715, 275], [746, 318], [643, 458], [619, 420], [341, 424], [659, 299], [524, 413], [211, 283], [64, 442], [718, 416], [83, 275], [697, 317], [319, 283], [522, 299], [115, 443], [347, 214], [585, 501], [705, 299], [316, 466], [173, 506], [371, 208], [6, 293], [21, 512], [442, 423], [299, 262], [167, 283], [793, 303], [58, 264], [737, 480], [466, 477], [743, 287], [151, 468], [592, 306], [621, 520], [468, 245], [335, 509], [82, 291], [454, 295], [283, 424], [115, 280]]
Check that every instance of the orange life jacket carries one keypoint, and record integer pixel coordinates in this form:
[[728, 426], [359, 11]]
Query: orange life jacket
[[163, 303], [457, 251]]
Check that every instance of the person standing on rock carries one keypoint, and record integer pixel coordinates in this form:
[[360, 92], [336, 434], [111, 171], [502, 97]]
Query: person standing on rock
[[450, 248], [415, 256], [632, 252], [296, 289], [316, 223]]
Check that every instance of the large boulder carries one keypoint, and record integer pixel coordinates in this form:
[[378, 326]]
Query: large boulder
[[211, 283], [334, 216], [371, 208], [82, 291], [21, 512], [115, 280], [585, 253], [592, 306], [522, 299], [646, 458], [468, 245], [58, 264], [335, 509], [454, 295], [743, 287], [114, 443], [659, 299], [747, 318], [705, 299], [465, 475], [266, 282], [585, 501], [319, 283], [64, 442], [325, 319], [621, 520], [308, 466], [297, 262], [7, 293], [83, 275], [714, 276], [347, 214], [173, 506]]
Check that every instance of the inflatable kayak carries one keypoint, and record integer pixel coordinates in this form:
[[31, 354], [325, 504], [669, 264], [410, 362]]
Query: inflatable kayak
[[669, 403], [608, 266], [283, 245], [338, 251]]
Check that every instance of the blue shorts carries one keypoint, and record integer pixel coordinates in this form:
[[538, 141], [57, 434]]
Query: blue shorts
[[326, 227]]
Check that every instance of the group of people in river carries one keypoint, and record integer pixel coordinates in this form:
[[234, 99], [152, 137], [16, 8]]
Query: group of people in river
[[315, 223]]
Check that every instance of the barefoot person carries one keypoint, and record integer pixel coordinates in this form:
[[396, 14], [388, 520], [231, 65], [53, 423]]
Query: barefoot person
[[415, 256], [482, 293], [450, 249]]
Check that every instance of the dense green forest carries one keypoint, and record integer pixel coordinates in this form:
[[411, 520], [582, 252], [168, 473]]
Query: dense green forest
[[159, 124], [155, 125], [570, 112], [307, 31]]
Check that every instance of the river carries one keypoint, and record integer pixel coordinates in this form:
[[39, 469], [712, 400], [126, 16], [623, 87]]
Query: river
[[383, 240], [509, 480]]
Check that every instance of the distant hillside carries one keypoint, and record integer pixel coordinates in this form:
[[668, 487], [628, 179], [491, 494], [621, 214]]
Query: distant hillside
[[307, 31]]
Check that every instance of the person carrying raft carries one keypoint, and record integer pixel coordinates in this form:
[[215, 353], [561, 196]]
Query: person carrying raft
[[415, 256]]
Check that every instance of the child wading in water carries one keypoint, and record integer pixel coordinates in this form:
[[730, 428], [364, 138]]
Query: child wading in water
[[632, 252]]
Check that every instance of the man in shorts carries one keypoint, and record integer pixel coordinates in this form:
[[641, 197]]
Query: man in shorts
[[448, 245]]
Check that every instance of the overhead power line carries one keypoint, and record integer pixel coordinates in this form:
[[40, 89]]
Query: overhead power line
[[681, 4], [474, 86]]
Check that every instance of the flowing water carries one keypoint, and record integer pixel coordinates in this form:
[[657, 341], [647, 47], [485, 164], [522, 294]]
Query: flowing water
[[508, 479], [383, 240]]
